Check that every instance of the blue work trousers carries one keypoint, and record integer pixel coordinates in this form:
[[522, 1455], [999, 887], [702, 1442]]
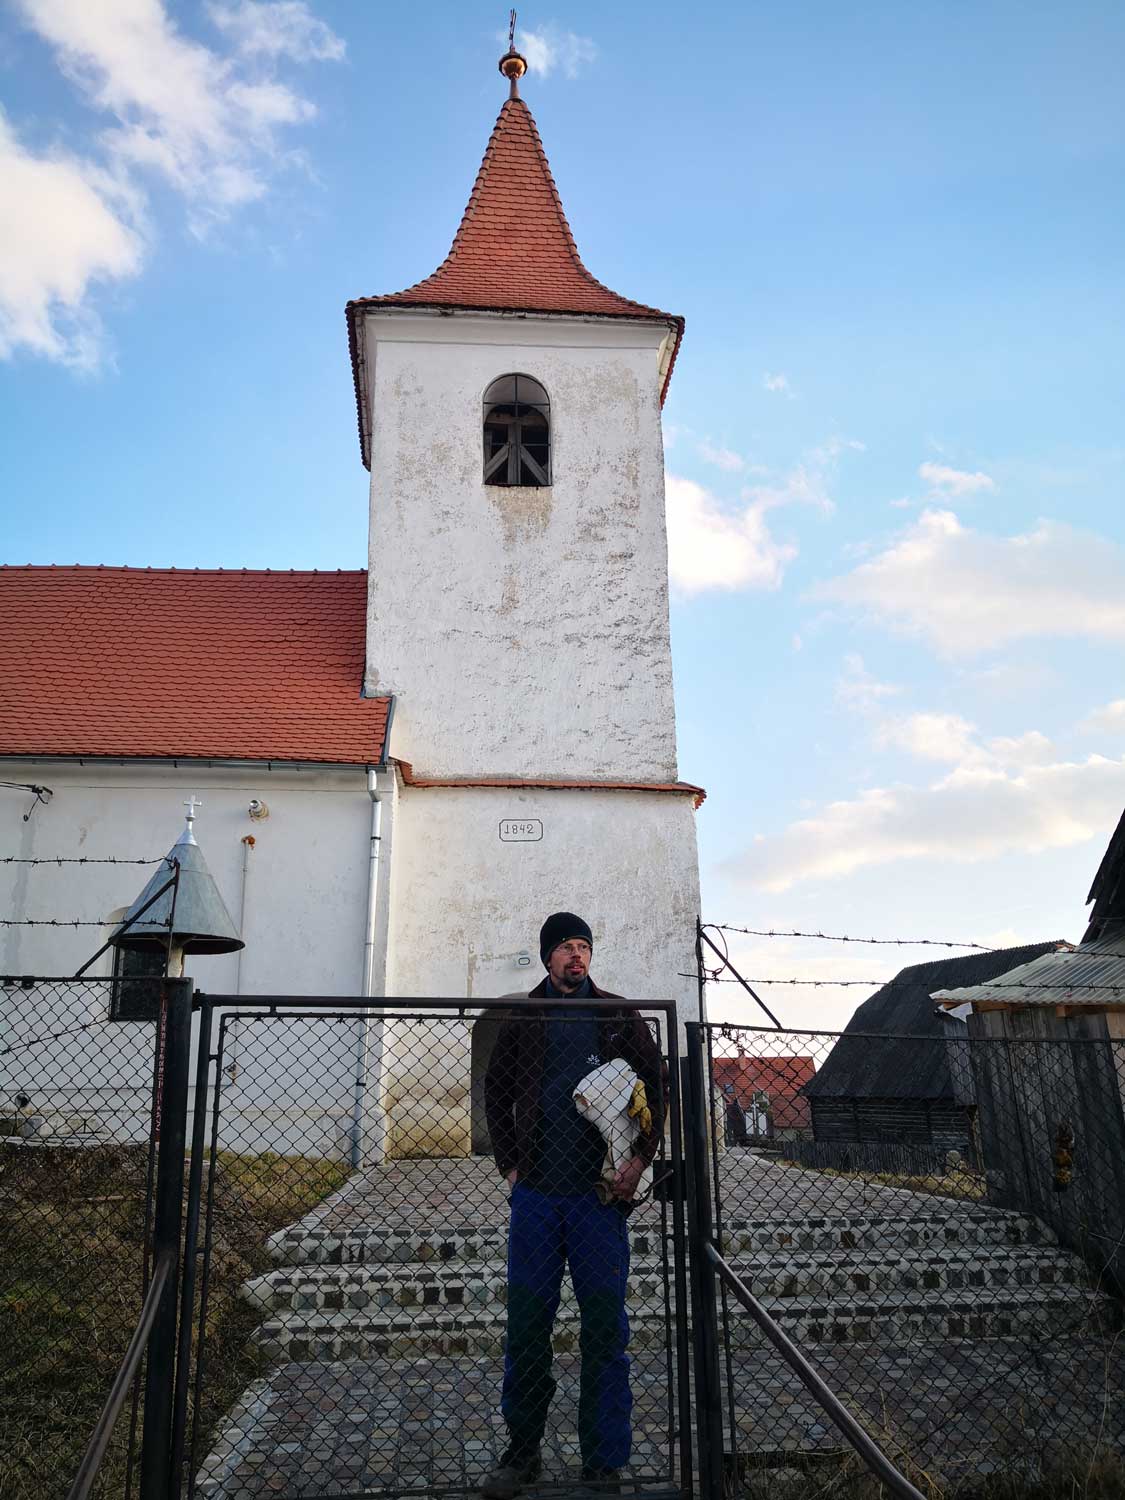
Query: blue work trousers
[[548, 1232]]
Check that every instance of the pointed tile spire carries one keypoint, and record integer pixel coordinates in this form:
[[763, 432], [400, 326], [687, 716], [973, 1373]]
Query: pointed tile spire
[[513, 251]]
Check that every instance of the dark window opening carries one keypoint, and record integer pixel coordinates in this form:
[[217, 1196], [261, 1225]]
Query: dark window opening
[[517, 432], [137, 977]]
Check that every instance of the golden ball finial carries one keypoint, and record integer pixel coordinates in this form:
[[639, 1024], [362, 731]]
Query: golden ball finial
[[513, 65]]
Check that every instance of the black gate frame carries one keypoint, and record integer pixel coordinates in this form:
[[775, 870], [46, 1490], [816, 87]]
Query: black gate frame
[[189, 1364], [701, 1278]]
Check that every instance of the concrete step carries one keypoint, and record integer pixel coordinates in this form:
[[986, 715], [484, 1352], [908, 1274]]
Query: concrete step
[[952, 1224], [831, 1274], [434, 1331]]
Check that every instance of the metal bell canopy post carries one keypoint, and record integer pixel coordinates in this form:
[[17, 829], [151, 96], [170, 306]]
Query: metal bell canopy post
[[199, 918]]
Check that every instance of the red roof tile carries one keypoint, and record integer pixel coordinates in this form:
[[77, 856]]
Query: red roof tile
[[513, 252], [170, 663]]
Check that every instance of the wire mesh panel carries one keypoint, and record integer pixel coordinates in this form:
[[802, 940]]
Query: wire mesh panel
[[76, 1090], [380, 1308], [936, 1221]]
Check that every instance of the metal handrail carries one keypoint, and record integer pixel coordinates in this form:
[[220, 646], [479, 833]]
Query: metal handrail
[[859, 1438], [126, 1373]]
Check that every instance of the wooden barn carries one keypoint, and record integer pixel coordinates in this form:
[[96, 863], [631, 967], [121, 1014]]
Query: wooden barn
[[1047, 1043], [896, 1091]]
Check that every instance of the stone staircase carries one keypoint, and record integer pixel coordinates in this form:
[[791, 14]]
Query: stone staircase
[[963, 1333], [400, 1293]]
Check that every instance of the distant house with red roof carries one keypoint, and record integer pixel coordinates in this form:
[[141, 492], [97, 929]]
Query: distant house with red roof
[[769, 1090], [402, 768]]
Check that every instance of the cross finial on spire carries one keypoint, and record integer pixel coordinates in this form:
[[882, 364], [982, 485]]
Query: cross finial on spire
[[188, 835], [512, 64]]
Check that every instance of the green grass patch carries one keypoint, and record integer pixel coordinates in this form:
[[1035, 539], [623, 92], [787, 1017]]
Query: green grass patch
[[71, 1257]]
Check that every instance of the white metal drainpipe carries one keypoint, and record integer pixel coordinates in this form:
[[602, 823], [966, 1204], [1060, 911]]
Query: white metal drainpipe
[[247, 845], [363, 1034]]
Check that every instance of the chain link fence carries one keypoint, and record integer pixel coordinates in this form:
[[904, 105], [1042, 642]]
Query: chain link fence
[[935, 1221], [76, 1090], [379, 1309]]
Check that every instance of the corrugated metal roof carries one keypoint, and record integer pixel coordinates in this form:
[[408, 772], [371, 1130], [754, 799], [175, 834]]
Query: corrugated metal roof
[[1092, 975]]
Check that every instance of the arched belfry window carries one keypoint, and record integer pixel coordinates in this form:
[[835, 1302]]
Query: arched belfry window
[[517, 432]]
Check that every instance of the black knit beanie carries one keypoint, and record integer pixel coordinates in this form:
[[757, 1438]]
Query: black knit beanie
[[558, 928]]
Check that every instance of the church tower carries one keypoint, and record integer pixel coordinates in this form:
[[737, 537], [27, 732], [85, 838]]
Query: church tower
[[509, 412]]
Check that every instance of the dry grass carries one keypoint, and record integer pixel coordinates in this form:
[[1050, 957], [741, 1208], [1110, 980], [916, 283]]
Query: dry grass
[[1101, 1477], [956, 1184], [71, 1254]]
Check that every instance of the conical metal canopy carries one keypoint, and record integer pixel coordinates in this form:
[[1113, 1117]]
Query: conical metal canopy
[[200, 923]]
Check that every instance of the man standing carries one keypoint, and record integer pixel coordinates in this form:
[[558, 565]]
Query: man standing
[[552, 1158]]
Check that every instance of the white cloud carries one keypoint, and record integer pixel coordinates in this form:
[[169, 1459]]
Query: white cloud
[[64, 226], [965, 592], [1109, 719], [1000, 796], [550, 48], [284, 28], [710, 548], [947, 481], [205, 123], [722, 458], [779, 384], [858, 689], [943, 737], [715, 545]]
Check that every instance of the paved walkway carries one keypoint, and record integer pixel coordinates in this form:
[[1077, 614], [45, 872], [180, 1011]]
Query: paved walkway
[[414, 1426], [953, 1409]]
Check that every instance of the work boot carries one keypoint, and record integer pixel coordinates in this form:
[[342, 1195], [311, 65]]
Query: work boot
[[517, 1467], [599, 1481]]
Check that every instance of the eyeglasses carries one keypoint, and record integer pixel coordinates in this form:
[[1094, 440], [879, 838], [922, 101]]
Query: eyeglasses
[[577, 947]]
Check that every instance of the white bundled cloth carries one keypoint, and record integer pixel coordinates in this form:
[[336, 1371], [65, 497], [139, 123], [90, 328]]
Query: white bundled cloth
[[605, 1097]]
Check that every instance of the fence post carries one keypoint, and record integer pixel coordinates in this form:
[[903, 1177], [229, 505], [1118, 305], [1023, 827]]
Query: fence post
[[173, 1043], [203, 1061], [704, 1287]]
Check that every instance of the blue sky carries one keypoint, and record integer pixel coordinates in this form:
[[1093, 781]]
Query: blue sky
[[894, 436]]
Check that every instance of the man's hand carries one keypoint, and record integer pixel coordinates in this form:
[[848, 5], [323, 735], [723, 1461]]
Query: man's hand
[[511, 1176], [628, 1176]]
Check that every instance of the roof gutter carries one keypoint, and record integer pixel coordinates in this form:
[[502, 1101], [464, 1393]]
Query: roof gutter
[[194, 762]]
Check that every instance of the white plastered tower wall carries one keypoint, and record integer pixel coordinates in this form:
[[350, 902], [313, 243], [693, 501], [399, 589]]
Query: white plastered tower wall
[[465, 906], [524, 633]]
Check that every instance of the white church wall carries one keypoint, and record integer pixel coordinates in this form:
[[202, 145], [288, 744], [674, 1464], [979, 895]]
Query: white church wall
[[288, 1085], [465, 904], [523, 631]]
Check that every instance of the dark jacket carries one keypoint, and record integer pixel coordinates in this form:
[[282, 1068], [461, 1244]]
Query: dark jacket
[[515, 1072]]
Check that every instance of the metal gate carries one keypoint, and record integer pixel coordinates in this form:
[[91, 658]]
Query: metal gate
[[332, 1293], [959, 1317], [332, 1185]]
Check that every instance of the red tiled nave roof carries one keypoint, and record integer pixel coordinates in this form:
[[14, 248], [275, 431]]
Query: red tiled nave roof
[[513, 252], [186, 663]]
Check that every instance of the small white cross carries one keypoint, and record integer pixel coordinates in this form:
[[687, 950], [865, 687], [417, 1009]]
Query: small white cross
[[191, 804]]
